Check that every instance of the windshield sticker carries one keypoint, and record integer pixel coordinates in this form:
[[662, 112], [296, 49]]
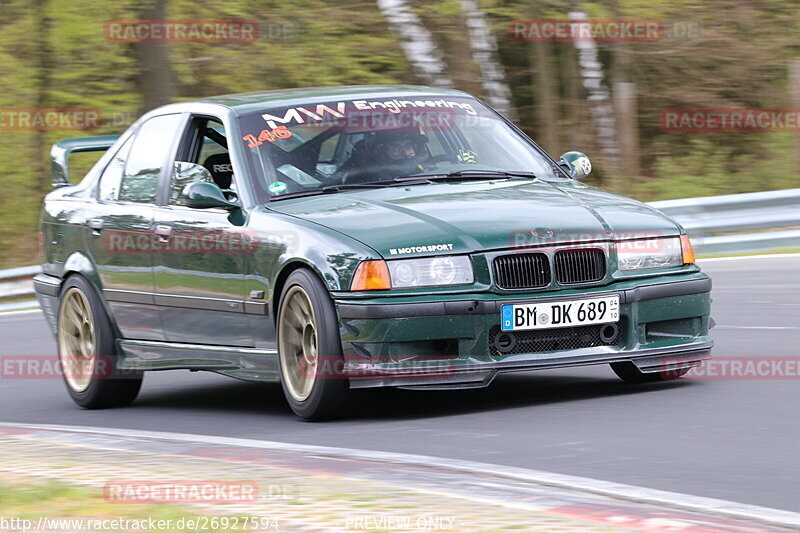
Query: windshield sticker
[[323, 112], [394, 106], [422, 249], [266, 135], [293, 114], [467, 156], [277, 187]]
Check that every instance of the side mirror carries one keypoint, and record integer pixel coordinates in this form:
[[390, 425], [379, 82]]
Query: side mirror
[[576, 164], [204, 195], [200, 191]]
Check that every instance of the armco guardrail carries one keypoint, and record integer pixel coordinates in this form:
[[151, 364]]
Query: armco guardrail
[[734, 223], [16, 284], [19, 273], [739, 223]]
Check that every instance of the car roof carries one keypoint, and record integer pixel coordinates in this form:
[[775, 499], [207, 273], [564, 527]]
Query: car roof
[[245, 103]]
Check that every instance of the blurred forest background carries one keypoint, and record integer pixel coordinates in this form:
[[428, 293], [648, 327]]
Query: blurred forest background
[[607, 97]]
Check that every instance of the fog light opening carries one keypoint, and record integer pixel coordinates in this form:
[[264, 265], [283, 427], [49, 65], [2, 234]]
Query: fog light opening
[[609, 333], [505, 342]]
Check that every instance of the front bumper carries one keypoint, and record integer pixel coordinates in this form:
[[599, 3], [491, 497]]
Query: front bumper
[[445, 341]]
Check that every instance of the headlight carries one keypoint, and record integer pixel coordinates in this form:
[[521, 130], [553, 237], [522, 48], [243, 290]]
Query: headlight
[[654, 253], [378, 274], [431, 271]]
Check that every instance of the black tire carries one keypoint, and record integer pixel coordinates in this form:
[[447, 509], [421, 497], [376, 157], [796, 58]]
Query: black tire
[[329, 387], [108, 386], [628, 372]]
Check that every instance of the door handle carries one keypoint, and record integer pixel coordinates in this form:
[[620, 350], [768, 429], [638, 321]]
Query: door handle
[[164, 233], [96, 224]]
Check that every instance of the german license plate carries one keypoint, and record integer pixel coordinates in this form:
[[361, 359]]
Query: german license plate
[[543, 315]]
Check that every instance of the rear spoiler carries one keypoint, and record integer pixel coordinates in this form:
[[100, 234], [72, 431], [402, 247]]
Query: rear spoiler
[[61, 151]]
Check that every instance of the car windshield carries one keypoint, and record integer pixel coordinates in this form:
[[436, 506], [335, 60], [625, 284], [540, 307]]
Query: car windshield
[[350, 144]]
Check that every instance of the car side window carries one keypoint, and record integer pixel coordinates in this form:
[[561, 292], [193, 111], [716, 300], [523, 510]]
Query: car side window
[[212, 153], [147, 157], [209, 147], [111, 179]]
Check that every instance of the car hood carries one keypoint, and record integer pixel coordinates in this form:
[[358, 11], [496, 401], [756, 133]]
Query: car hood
[[465, 217]]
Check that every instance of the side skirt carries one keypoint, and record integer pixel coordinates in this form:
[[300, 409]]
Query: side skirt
[[241, 363]]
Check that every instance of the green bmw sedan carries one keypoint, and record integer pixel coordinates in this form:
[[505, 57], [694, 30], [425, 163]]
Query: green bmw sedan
[[352, 237]]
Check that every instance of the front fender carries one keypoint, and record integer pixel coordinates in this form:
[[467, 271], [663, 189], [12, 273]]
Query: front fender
[[286, 242]]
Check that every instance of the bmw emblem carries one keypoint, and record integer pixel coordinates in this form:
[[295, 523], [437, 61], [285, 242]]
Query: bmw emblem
[[542, 233]]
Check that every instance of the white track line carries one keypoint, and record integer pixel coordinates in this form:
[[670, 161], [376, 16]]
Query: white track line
[[4, 314], [674, 500], [744, 257], [728, 326]]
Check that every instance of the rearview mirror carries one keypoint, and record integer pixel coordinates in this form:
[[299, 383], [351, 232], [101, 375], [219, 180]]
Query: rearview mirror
[[576, 164], [204, 195]]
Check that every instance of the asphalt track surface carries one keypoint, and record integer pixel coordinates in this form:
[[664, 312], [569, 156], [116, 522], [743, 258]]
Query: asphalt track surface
[[732, 439]]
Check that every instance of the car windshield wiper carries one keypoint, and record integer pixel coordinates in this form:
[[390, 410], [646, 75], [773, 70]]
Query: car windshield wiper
[[414, 179], [469, 174], [330, 189]]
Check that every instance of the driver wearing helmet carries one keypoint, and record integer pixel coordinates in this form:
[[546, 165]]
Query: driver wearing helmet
[[399, 150], [386, 155]]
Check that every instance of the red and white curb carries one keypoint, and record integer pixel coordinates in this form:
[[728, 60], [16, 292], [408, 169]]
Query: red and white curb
[[640, 495]]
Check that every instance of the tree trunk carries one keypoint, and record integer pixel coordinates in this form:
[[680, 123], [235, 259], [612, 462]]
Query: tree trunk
[[154, 76], [574, 135], [600, 100], [794, 94], [484, 53], [547, 121], [43, 77], [625, 104], [620, 52], [417, 42], [543, 79]]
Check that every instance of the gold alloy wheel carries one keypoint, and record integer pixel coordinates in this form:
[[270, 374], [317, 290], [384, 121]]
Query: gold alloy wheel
[[76, 340], [298, 349]]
